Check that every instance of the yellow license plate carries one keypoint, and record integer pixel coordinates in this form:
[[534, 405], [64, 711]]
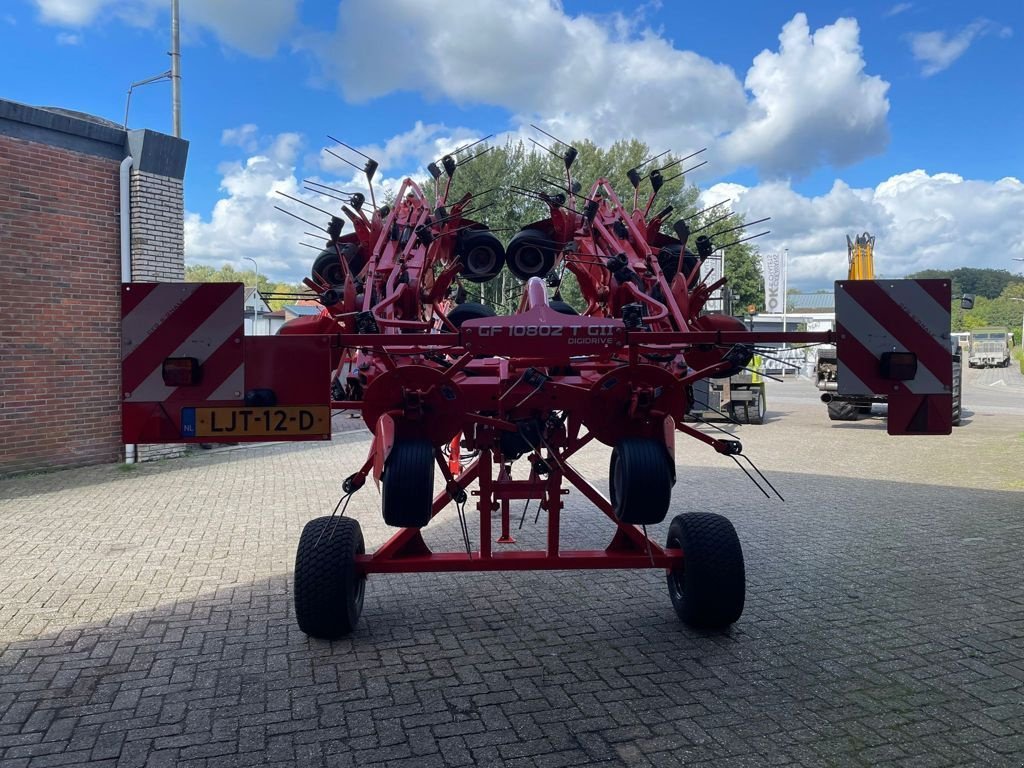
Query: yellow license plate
[[276, 421]]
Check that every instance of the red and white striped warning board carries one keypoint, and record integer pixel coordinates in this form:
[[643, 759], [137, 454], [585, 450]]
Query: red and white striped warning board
[[203, 321], [876, 319]]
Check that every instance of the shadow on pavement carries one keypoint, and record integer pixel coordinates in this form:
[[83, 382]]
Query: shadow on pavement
[[884, 621]]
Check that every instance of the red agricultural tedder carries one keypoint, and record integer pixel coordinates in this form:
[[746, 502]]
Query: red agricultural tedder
[[448, 387]]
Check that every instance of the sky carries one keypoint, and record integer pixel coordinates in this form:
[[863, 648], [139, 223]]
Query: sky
[[902, 119]]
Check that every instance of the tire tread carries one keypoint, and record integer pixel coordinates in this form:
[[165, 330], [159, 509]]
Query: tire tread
[[647, 492], [324, 570], [407, 488], [713, 569]]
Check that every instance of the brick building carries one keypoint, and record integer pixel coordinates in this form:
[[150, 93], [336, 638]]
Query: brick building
[[61, 267]]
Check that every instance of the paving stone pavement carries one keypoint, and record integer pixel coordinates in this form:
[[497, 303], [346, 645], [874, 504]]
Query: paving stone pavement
[[146, 619]]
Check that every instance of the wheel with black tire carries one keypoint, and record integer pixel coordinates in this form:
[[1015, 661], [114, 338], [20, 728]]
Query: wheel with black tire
[[709, 589], [328, 263], [563, 308], [481, 254], [337, 389], [407, 487], [864, 410], [840, 411], [738, 412], [530, 253], [328, 588], [668, 260], [640, 479], [758, 408], [469, 310]]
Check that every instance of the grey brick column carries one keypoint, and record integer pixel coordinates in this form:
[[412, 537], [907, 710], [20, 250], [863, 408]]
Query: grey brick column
[[157, 225]]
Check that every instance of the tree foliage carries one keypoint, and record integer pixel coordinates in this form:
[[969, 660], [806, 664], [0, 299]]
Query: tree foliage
[[998, 297], [202, 273], [989, 283], [1005, 310]]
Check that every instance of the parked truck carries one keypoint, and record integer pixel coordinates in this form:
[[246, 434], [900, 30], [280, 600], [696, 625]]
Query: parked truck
[[989, 348]]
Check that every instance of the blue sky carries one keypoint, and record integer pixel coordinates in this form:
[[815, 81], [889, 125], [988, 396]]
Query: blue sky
[[900, 118]]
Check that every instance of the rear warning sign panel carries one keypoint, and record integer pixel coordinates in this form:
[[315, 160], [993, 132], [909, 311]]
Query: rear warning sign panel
[[881, 321], [198, 321], [189, 374]]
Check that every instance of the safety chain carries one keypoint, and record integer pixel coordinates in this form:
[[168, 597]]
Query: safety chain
[[460, 507], [351, 484]]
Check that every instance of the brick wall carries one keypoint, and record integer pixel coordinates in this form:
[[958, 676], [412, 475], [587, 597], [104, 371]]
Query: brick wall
[[158, 230], [59, 312], [158, 251]]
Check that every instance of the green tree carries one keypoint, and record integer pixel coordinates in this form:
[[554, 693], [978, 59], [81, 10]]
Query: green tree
[[989, 283], [992, 290], [203, 273], [1014, 298]]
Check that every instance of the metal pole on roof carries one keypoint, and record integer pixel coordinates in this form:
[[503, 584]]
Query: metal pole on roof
[[175, 71]]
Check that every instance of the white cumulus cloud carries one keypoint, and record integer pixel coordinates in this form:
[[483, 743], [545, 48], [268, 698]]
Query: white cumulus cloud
[[244, 222], [71, 12], [406, 152], [812, 104], [244, 136], [605, 78], [236, 23], [921, 220], [936, 51]]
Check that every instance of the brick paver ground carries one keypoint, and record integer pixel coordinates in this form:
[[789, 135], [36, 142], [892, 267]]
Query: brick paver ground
[[146, 619]]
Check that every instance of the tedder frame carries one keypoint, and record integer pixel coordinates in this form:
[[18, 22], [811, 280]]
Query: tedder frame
[[447, 386]]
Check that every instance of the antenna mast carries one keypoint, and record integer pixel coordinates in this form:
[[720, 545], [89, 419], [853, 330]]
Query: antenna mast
[[175, 71]]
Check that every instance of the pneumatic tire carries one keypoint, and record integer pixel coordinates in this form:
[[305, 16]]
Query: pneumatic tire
[[757, 408], [481, 254], [838, 411], [469, 310], [530, 253], [640, 479], [328, 263], [407, 487], [668, 260], [709, 589], [328, 589], [563, 308]]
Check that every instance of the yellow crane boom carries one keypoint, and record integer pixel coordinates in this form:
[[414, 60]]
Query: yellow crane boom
[[861, 251]]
